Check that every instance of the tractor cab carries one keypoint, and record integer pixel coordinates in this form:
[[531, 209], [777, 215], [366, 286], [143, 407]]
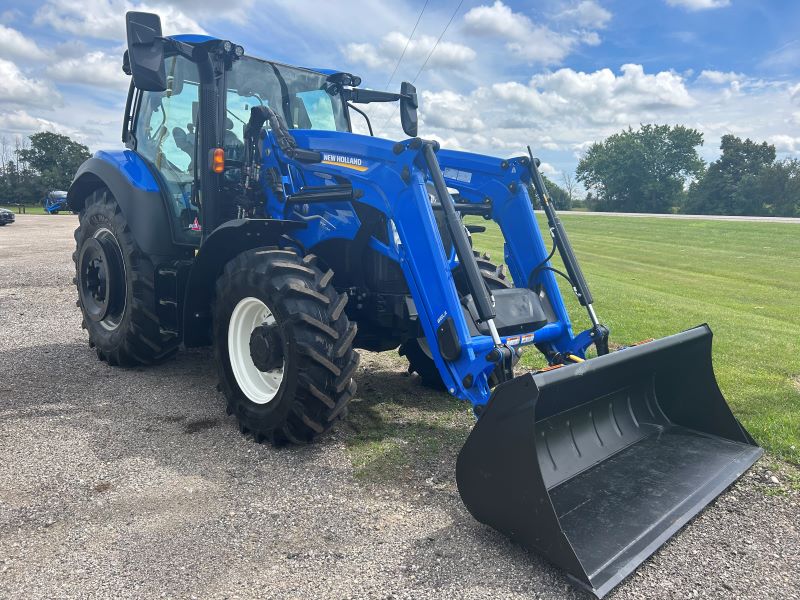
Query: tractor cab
[[189, 104]]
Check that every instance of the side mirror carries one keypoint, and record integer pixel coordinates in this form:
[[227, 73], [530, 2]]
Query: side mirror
[[408, 108], [146, 51]]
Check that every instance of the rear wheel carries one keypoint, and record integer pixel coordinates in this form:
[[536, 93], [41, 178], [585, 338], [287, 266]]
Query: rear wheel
[[115, 285], [284, 346], [417, 351]]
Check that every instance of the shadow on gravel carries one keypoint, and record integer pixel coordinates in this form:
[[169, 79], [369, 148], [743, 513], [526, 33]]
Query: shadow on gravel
[[169, 413], [534, 577]]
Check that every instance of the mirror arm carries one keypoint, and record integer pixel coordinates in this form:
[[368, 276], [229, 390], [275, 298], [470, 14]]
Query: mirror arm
[[185, 50], [362, 96]]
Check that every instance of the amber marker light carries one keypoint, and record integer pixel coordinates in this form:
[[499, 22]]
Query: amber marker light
[[217, 160]]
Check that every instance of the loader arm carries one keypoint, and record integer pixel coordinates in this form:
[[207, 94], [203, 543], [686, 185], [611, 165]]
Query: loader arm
[[391, 178], [498, 189]]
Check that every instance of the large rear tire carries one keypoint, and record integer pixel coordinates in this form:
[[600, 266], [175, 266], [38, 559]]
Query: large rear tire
[[284, 346], [417, 351], [116, 291]]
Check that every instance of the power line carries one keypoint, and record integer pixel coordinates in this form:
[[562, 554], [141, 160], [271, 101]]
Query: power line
[[427, 58], [408, 41], [446, 27]]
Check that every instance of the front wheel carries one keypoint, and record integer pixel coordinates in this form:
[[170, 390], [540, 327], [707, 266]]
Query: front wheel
[[116, 287], [284, 346]]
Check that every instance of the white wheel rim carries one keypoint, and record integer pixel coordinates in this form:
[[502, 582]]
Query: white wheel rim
[[259, 387]]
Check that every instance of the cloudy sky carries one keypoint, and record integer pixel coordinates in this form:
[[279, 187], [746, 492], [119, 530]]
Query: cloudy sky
[[556, 74]]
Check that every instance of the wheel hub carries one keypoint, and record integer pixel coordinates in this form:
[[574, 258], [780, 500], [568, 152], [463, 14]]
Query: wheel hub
[[101, 279], [266, 348], [255, 350], [94, 277]]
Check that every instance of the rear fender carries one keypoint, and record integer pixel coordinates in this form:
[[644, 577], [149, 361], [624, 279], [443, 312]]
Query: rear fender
[[225, 243], [137, 193]]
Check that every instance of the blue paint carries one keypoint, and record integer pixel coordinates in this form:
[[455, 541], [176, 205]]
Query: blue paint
[[376, 172], [132, 167], [193, 38]]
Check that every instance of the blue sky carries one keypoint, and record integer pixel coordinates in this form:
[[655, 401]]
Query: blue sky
[[556, 74]]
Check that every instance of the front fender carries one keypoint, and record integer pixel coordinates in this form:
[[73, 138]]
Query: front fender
[[137, 193], [225, 243]]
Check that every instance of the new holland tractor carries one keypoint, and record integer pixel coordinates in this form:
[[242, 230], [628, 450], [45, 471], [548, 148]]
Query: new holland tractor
[[243, 213]]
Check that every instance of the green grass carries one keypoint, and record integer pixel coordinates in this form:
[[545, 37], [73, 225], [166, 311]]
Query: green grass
[[652, 277], [32, 210]]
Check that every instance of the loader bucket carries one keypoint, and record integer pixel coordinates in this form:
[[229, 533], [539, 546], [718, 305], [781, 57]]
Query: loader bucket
[[595, 465]]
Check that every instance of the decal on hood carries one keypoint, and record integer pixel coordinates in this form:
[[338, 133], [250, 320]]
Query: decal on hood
[[340, 160]]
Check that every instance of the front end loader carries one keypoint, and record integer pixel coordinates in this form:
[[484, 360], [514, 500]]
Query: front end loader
[[245, 214]]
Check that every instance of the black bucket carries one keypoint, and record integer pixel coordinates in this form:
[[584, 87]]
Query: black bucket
[[595, 465]]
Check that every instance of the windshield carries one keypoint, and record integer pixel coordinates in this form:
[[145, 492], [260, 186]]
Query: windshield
[[296, 94]]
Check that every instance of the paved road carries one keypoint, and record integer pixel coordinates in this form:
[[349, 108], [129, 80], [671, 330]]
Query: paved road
[[690, 217], [132, 483]]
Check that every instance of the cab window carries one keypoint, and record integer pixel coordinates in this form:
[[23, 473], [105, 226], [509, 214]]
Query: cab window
[[165, 131]]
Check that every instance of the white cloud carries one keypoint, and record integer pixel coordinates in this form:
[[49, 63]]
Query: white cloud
[[587, 14], [95, 69], [590, 38], [548, 169], [720, 77], [601, 97], [105, 19], [448, 55], [699, 4], [20, 122], [449, 110], [18, 89], [794, 92], [529, 41], [785, 143], [15, 45], [497, 20]]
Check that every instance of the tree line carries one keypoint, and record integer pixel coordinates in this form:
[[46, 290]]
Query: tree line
[[654, 169], [657, 169], [31, 167]]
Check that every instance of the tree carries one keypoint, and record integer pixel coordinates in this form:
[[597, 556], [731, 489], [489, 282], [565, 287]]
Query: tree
[[47, 161], [643, 170], [54, 158], [570, 185], [561, 200], [779, 186], [732, 185]]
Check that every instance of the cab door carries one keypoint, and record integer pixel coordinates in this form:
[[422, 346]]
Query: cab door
[[166, 134]]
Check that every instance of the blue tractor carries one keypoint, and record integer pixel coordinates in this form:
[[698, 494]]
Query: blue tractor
[[54, 202], [243, 213]]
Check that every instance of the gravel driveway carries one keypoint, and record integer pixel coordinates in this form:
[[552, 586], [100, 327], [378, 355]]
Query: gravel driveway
[[133, 483]]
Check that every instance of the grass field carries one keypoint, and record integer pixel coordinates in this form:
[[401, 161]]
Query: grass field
[[31, 210], [654, 277]]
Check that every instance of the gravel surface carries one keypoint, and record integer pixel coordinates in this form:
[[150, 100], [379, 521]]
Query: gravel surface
[[133, 483]]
